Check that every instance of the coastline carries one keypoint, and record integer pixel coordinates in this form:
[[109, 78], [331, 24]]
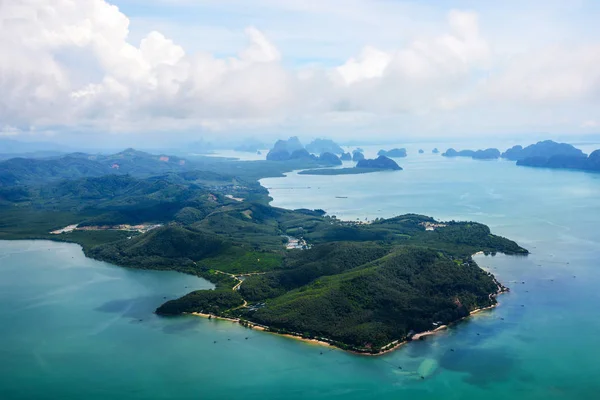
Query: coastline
[[417, 336], [388, 348], [262, 328]]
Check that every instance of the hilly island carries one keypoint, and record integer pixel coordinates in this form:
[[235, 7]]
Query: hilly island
[[363, 287]]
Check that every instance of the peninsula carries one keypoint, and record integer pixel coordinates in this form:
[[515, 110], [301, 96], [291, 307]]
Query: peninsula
[[358, 286]]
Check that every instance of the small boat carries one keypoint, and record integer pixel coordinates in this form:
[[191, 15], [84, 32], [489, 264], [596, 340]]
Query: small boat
[[341, 197]]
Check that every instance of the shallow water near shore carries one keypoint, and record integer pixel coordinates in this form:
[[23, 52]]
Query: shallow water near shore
[[72, 327]]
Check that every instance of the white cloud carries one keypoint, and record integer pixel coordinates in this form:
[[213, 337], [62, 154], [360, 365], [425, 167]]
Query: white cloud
[[72, 64], [8, 131], [552, 75]]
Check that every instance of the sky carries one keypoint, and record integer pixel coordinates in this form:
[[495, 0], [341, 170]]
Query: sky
[[166, 71]]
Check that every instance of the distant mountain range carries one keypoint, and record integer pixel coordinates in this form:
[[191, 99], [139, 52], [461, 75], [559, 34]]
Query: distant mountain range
[[77, 165]]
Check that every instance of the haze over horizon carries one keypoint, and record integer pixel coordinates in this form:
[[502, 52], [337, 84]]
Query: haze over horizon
[[130, 72]]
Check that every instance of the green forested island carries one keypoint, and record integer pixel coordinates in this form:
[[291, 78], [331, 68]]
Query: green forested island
[[357, 286], [381, 162], [543, 154], [487, 154], [393, 153], [549, 154]]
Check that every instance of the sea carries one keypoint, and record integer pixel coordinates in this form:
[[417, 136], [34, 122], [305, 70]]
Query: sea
[[76, 328]]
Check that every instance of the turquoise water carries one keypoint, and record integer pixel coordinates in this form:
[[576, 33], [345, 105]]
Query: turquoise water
[[75, 328]]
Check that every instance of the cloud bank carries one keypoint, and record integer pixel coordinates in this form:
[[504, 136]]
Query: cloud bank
[[72, 64]]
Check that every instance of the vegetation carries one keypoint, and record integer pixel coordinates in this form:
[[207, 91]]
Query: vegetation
[[381, 162], [364, 286], [320, 146], [161, 247], [357, 155], [77, 165], [202, 301], [393, 153], [240, 261], [549, 154], [544, 149], [381, 300], [591, 163], [487, 154]]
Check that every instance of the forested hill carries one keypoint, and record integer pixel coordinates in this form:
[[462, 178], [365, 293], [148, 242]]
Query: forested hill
[[26, 171], [373, 299]]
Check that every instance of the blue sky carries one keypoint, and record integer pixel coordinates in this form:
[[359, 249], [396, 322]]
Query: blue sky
[[291, 26], [92, 69]]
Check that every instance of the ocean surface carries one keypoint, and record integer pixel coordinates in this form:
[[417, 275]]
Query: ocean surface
[[73, 328]]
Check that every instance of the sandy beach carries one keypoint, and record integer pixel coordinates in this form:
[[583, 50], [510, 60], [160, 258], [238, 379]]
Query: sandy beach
[[385, 349], [263, 329]]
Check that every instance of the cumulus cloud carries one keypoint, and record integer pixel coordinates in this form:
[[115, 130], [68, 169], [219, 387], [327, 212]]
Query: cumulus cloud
[[72, 64], [552, 75], [125, 86]]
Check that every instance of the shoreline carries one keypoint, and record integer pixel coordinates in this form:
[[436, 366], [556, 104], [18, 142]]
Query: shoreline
[[388, 348], [262, 328], [417, 336]]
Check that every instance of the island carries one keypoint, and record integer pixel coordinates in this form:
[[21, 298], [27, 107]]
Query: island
[[357, 155], [365, 287], [550, 154], [584, 163], [381, 162], [330, 159], [394, 153], [346, 157], [421, 151], [435, 151], [292, 149], [487, 154], [302, 154], [283, 148], [545, 149], [320, 146]]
